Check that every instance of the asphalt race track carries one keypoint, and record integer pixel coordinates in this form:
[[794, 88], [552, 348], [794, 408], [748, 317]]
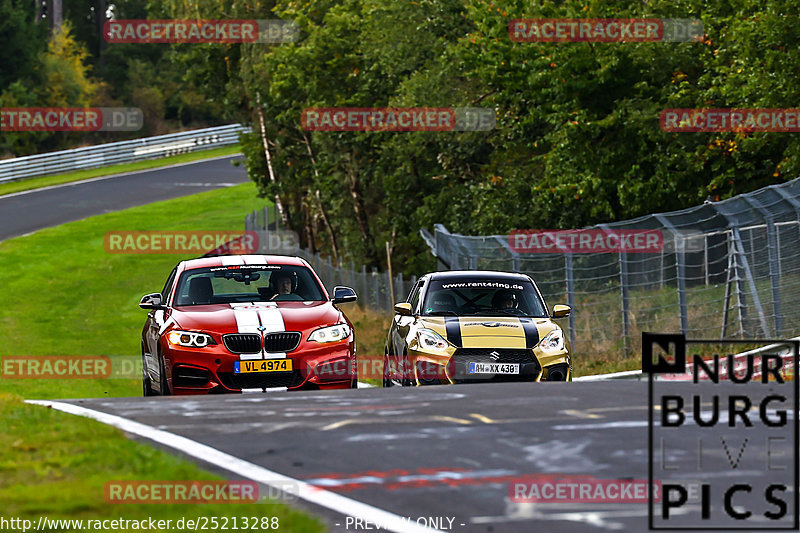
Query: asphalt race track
[[439, 456], [29, 211], [446, 452]]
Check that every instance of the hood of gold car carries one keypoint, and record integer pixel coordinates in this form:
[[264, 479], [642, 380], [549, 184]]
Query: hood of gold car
[[490, 332]]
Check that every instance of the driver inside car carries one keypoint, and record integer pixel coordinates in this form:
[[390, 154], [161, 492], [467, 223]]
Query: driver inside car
[[284, 288], [505, 299]]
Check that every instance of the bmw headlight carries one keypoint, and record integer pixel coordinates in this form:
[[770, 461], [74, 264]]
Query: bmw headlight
[[189, 339], [336, 333], [430, 340], [552, 342]]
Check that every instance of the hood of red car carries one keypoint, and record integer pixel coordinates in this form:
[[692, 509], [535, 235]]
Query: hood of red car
[[247, 317]]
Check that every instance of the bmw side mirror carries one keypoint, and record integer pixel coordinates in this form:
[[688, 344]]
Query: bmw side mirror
[[342, 295], [151, 301], [561, 311], [403, 309]]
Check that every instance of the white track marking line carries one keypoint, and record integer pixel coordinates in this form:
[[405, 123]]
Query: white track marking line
[[112, 176], [310, 493], [220, 184], [340, 423], [361, 385], [615, 375], [482, 418], [603, 425]]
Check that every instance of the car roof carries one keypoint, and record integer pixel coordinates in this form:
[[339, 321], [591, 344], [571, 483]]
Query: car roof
[[233, 260], [472, 274]]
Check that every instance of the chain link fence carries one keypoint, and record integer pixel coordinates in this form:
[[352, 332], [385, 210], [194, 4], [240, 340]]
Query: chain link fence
[[728, 269], [376, 290]]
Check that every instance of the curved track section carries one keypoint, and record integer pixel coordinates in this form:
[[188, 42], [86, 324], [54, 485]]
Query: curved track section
[[28, 211], [444, 453]]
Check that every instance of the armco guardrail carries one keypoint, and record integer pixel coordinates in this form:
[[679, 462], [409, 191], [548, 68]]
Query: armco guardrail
[[119, 152], [786, 354]]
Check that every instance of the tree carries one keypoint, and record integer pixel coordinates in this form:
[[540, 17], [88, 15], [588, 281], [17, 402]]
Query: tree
[[21, 41]]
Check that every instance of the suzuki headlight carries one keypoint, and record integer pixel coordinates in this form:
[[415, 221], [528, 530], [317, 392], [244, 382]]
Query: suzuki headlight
[[430, 340], [189, 339], [553, 342], [336, 333]]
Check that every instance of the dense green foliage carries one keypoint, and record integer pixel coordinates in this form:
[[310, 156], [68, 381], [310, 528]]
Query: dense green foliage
[[577, 140], [73, 66]]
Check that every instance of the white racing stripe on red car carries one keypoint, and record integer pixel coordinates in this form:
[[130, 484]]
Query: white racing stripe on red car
[[246, 318], [251, 316], [231, 260], [255, 259], [247, 321], [272, 320]]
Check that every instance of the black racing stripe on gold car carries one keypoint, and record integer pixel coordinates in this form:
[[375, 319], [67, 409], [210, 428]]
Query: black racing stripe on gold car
[[452, 330], [531, 332]]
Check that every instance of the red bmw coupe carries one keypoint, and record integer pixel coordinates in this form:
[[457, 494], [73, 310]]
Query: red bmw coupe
[[223, 324]]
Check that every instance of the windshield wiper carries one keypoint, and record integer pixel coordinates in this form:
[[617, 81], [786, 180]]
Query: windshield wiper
[[442, 313], [506, 312]]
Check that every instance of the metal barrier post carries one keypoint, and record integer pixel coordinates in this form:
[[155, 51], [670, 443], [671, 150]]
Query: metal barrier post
[[773, 252], [680, 258], [737, 239], [623, 281], [571, 299]]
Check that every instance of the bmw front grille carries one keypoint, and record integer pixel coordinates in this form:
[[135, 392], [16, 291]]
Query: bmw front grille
[[284, 341]]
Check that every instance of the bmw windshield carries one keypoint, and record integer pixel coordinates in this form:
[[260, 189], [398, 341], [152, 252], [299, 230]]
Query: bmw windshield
[[484, 297], [247, 283]]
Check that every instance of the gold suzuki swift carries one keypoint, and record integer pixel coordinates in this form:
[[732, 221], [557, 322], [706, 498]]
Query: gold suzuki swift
[[475, 326]]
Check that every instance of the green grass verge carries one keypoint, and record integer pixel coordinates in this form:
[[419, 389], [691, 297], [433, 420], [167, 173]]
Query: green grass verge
[[57, 465], [58, 179], [66, 296]]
